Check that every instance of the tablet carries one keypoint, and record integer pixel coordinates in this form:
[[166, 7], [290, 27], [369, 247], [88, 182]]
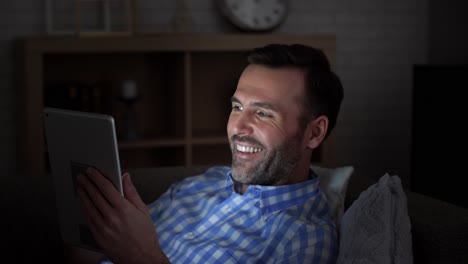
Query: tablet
[[76, 140]]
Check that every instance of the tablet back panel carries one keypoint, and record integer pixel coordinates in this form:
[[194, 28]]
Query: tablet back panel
[[76, 140]]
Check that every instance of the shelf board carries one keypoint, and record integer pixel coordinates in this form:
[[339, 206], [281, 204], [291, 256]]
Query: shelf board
[[165, 42], [152, 143]]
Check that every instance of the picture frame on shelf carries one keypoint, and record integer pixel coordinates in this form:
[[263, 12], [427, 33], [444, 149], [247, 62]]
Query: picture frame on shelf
[[90, 17]]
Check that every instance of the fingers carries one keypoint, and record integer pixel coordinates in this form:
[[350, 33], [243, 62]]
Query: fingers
[[106, 187], [98, 210], [88, 206], [131, 193], [92, 199], [92, 215]]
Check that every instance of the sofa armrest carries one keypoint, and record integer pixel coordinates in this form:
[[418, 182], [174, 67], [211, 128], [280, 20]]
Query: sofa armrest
[[439, 230]]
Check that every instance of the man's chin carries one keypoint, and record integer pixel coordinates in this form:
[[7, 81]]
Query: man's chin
[[240, 175]]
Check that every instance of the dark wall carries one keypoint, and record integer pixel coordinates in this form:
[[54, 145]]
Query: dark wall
[[438, 128], [448, 32], [439, 132]]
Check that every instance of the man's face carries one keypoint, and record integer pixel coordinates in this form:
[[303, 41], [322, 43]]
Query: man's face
[[264, 133]]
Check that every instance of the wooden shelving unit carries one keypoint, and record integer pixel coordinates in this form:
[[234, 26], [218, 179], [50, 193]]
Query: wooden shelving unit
[[186, 82]]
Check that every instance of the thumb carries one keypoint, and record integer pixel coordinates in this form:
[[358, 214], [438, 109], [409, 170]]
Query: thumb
[[131, 193]]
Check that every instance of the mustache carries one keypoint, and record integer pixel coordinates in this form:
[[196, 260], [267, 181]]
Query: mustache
[[247, 139]]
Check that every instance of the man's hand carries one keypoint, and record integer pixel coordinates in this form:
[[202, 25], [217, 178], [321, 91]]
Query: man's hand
[[121, 225]]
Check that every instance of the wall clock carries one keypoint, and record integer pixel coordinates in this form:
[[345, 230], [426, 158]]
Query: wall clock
[[254, 15]]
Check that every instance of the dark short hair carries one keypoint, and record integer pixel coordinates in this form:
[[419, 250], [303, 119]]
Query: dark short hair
[[323, 88]]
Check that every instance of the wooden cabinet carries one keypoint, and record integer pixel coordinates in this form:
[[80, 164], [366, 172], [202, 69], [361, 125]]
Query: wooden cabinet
[[185, 82]]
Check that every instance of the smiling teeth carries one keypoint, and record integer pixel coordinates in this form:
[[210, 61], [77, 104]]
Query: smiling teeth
[[248, 149]]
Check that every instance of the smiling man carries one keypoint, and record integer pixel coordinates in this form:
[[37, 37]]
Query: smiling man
[[267, 207], [270, 146]]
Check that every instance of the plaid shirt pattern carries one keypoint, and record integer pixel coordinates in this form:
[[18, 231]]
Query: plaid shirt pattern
[[203, 220]]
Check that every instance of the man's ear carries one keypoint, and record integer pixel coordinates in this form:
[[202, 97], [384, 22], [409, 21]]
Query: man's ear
[[316, 131]]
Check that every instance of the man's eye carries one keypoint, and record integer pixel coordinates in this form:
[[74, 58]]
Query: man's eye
[[237, 108], [263, 114]]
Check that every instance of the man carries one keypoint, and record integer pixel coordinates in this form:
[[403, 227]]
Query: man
[[266, 208]]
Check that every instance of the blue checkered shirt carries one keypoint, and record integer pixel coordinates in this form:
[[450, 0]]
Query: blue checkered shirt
[[202, 219]]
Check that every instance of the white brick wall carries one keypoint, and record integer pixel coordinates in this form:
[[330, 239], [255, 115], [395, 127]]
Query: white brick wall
[[377, 43]]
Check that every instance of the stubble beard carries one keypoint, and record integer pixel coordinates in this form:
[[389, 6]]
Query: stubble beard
[[277, 164]]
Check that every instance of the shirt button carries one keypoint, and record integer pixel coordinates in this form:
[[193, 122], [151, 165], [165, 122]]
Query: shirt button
[[189, 235]]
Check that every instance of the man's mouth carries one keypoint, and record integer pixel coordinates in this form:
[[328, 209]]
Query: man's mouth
[[247, 149]]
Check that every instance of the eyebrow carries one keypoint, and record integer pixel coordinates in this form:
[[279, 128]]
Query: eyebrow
[[257, 104]]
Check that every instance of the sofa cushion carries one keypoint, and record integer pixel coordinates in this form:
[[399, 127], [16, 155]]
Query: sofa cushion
[[334, 183], [376, 227]]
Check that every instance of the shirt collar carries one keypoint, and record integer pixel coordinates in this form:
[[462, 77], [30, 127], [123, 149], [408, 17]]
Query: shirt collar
[[272, 199]]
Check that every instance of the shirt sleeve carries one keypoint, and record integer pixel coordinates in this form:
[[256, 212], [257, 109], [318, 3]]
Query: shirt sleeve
[[156, 208]]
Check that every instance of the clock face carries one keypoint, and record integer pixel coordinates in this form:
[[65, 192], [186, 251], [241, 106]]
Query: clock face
[[255, 14]]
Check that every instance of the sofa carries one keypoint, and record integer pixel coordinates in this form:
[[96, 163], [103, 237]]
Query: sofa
[[439, 230]]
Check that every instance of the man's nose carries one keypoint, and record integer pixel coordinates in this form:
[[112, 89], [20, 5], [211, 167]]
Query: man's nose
[[242, 124]]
